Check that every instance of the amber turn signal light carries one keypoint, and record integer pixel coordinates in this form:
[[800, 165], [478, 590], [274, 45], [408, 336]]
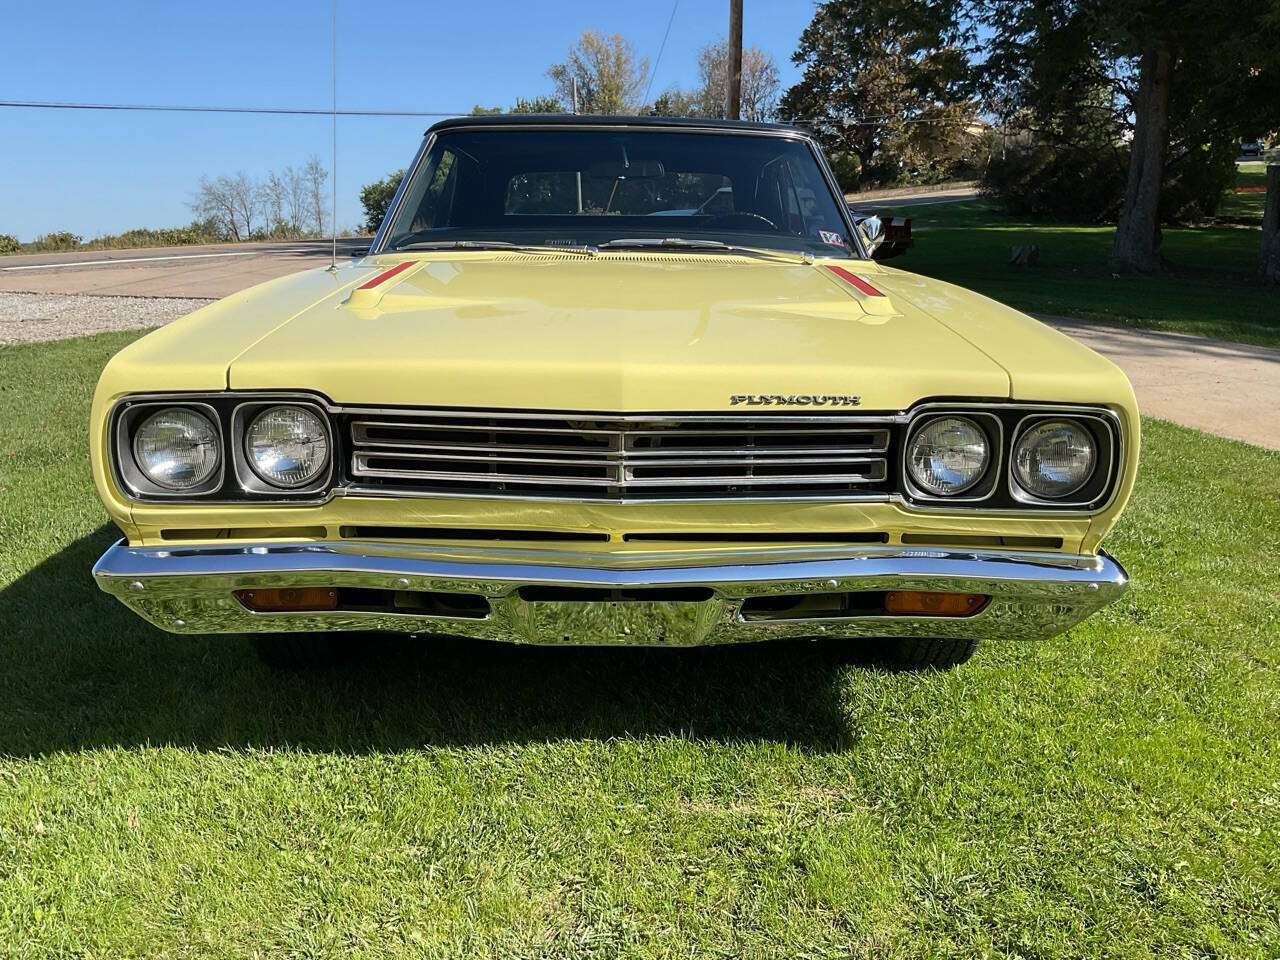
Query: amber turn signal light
[[921, 604], [277, 600]]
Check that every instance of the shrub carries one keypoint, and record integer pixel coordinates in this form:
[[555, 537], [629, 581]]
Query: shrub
[[885, 171], [848, 170], [197, 232], [1083, 184], [1195, 181], [9, 244], [58, 240]]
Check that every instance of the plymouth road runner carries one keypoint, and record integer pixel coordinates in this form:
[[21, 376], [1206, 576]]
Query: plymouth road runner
[[614, 381]]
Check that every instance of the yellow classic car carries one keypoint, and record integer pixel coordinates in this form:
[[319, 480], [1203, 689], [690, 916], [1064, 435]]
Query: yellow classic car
[[614, 380]]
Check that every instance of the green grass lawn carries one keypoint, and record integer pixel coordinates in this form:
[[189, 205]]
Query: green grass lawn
[[1252, 176], [1111, 793], [1210, 289]]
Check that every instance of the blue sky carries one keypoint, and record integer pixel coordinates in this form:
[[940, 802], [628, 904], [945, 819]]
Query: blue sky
[[102, 172]]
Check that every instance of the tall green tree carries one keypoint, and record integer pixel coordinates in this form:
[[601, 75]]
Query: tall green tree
[[376, 197], [1182, 81], [877, 72], [1269, 256], [542, 103], [759, 87], [758, 95], [610, 74], [675, 102]]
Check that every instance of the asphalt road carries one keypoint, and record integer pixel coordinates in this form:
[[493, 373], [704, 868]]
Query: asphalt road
[[874, 199], [208, 271]]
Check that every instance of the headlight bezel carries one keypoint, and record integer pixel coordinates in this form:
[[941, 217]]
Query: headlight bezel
[[1004, 497], [243, 416], [133, 478], [1102, 481], [234, 482], [987, 483]]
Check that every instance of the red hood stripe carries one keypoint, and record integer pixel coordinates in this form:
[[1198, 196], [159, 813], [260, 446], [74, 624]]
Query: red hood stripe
[[855, 280], [386, 275]]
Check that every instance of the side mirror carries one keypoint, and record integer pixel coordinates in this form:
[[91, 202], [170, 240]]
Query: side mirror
[[872, 230]]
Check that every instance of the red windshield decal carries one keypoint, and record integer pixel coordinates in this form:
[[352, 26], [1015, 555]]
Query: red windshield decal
[[386, 275], [856, 280]]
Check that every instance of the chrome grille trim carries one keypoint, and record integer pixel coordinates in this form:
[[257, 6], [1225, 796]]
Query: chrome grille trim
[[619, 457]]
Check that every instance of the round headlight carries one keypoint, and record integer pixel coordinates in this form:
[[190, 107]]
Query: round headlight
[[287, 446], [947, 456], [1054, 459], [176, 448]]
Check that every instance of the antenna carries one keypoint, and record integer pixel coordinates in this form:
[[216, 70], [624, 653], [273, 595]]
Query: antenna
[[333, 213]]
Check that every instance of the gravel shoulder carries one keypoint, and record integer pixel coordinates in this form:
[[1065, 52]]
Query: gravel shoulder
[[39, 317]]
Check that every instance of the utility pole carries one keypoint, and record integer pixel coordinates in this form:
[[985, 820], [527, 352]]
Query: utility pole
[[575, 96], [735, 59]]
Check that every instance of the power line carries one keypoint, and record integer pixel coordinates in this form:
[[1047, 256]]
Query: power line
[[174, 108], [323, 112], [663, 46]]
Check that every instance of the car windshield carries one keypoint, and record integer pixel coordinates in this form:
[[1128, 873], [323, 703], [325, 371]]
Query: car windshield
[[586, 187]]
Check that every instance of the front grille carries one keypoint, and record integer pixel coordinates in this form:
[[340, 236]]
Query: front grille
[[590, 456]]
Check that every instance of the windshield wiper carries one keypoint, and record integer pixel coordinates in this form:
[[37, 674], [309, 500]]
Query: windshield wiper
[[493, 245], [715, 246]]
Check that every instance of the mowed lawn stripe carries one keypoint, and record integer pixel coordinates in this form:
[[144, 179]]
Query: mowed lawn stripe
[[1110, 793]]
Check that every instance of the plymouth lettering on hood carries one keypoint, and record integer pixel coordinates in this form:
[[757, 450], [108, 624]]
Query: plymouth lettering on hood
[[794, 400]]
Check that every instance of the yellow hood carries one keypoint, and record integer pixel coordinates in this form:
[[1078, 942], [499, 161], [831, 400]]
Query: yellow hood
[[620, 331]]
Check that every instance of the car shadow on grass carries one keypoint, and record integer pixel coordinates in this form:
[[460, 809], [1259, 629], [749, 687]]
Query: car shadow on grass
[[79, 671]]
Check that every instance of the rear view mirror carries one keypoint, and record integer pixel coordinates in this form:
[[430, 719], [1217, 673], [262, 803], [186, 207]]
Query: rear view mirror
[[617, 170]]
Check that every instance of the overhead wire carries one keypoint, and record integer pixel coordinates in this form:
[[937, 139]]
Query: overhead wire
[[185, 108], [661, 48], [329, 111]]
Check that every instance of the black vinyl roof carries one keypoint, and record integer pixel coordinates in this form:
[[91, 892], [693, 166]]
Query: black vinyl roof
[[592, 120]]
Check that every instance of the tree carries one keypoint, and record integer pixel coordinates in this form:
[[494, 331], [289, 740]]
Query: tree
[[273, 195], [314, 176], [1061, 99], [376, 197], [675, 103], [1182, 82], [876, 72], [232, 207], [245, 197], [1269, 258], [211, 203], [611, 76], [295, 200], [230, 202], [542, 103], [759, 95]]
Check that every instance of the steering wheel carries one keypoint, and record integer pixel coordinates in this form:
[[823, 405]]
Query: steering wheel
[[742, 218]]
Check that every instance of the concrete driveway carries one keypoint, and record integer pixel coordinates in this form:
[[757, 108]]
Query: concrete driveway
[[1231, 389]]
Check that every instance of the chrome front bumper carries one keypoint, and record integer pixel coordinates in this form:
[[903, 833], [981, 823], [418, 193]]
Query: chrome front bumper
[[679, 599]]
